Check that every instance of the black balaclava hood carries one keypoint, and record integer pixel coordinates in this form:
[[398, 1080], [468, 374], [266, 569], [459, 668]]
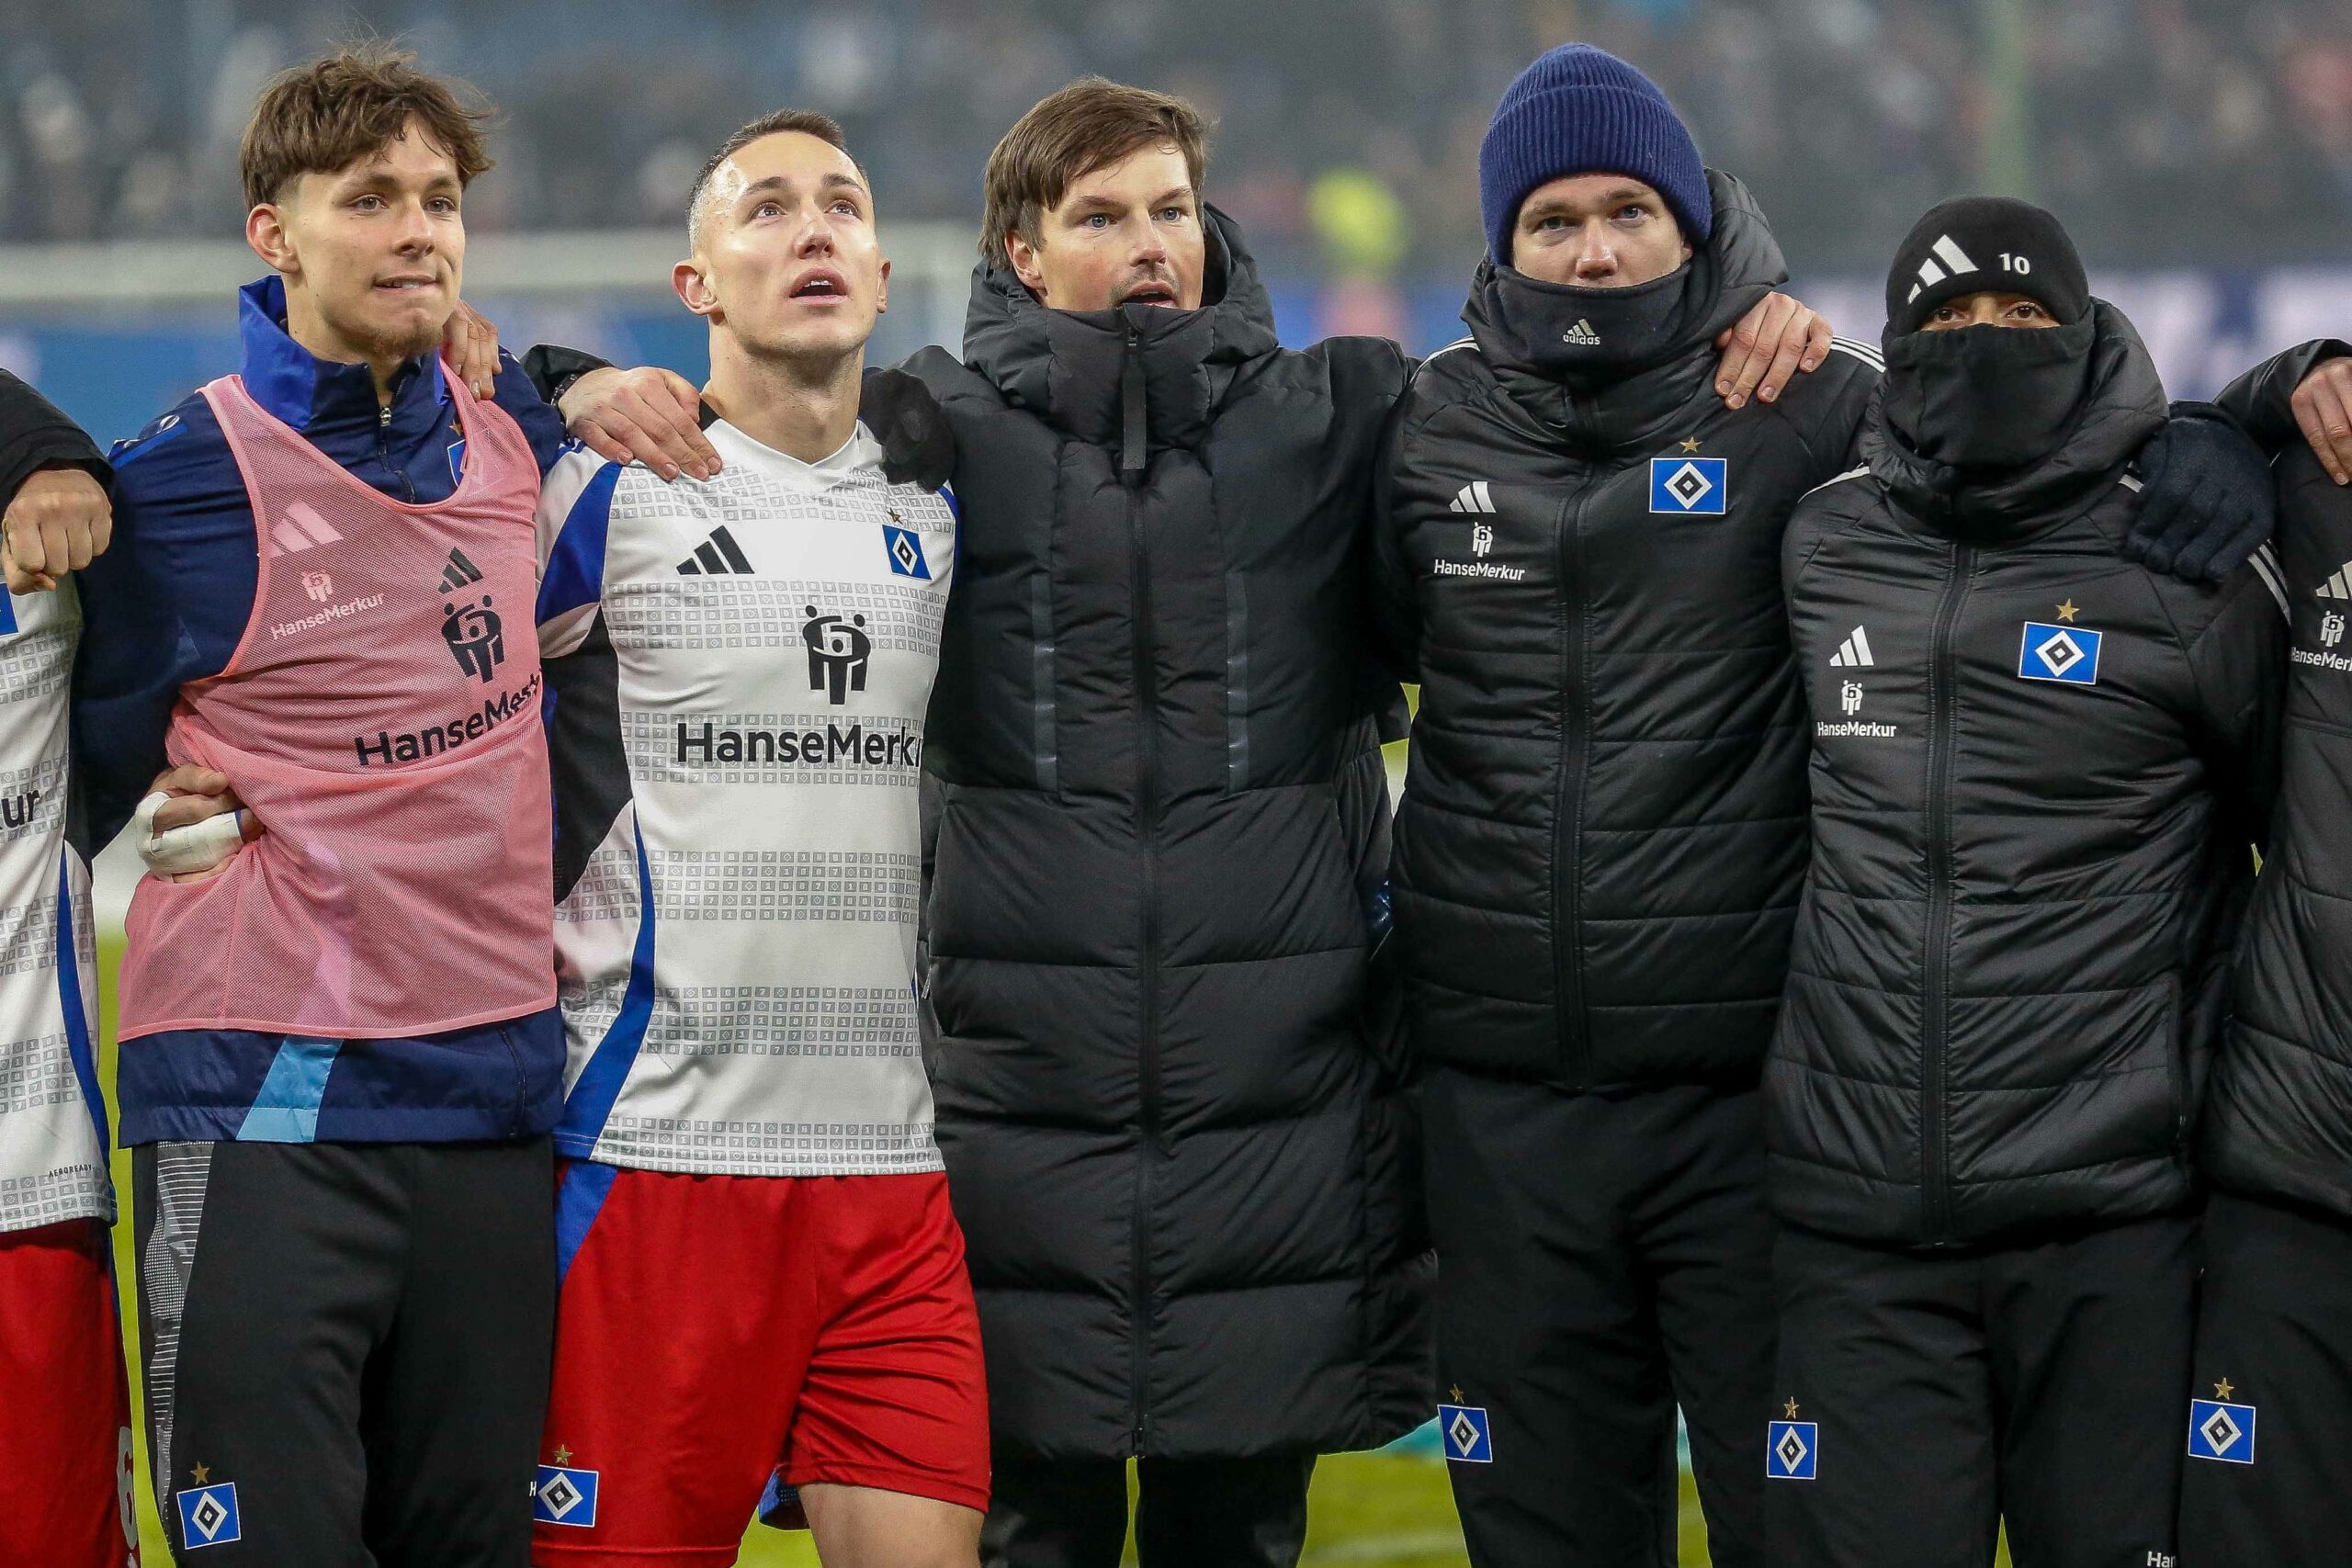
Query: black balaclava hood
[[1987, 399]]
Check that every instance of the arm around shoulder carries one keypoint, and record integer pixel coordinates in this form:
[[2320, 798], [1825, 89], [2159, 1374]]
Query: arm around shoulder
[[2239, 665], [35, 433]]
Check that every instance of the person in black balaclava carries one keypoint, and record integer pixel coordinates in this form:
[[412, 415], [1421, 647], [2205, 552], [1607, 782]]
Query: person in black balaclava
[[1603, 832], [2039, 776]]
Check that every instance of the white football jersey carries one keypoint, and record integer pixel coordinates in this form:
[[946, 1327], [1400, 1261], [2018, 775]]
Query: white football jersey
[[52, 1139], [738, 669]]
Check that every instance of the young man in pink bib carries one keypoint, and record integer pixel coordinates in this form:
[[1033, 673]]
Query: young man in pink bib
[[341, 1055]]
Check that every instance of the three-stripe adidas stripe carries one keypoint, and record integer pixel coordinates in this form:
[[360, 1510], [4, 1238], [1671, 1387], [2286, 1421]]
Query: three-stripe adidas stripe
[[717, 556], [458, 573], [2339, 585], [1956, 264], [1474, 497], [301, 528], [1854, 652]]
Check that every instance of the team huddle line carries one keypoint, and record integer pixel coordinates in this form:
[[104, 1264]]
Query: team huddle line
[[872, 992]]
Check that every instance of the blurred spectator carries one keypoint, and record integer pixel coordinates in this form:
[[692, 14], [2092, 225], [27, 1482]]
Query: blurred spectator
[[1848, 116]]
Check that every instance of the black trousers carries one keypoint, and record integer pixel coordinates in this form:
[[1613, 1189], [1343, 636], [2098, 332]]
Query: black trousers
[[2275, 1334], [348, 1349], [1601, 1257], [1202, 1513], [1940, 1392]]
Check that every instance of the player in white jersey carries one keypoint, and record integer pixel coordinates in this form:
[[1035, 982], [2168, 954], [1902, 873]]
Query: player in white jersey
[[66, 1447], [762, 1276]]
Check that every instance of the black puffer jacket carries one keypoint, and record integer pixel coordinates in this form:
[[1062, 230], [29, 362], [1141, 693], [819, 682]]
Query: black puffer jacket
[[2278, 1122], [34, 434], [1185, 1177], [2037, 780], [1603, 834]]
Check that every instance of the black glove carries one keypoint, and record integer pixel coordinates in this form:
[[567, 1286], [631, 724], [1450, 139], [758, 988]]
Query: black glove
[[917, 446], [2209, 503]]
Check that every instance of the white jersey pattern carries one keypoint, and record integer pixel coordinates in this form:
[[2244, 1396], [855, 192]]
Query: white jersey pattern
[[52, 1136], [738, 669]]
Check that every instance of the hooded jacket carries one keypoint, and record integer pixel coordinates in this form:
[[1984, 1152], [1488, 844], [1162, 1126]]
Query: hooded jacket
[[2278, 1122], [1603, 834], [2037, 776], [1183, 1175]]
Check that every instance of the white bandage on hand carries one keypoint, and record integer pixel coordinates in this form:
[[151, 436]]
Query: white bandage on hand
[[175, 851]]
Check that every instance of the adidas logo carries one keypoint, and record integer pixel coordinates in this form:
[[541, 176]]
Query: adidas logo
[[1955, 265], [1854, 653], [716, 555], [1474, 497], [301, 528], [1581, 335], [458, 573], [2340, 585]]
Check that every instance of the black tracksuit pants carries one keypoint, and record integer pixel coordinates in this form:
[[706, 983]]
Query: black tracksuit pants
[[1601, 1257], [348, 1349], [1937, 1392], [2274, 1342], [1201, 1513]]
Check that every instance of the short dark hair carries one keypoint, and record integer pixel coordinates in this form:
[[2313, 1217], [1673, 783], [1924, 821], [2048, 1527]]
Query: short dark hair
[[1088, 125], [327, 115], [808, 122]]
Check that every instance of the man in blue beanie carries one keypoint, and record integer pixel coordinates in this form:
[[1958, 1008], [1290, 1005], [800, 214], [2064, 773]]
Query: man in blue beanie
[[1603, 833]]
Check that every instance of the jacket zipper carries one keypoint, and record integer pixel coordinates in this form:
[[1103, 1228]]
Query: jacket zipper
[[1935, 1175], [1567, 807], [384, 453], [1131, 475], [522, 1080]]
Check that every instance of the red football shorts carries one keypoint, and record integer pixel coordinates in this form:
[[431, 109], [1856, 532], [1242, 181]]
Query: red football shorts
[[715, 1331], [66, 1454]]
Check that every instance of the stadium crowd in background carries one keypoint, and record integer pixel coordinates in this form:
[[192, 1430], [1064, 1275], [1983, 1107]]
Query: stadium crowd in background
[[1851, 116]]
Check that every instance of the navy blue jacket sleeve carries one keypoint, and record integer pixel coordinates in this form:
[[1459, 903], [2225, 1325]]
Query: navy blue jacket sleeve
[[166, 605], [514, 392]]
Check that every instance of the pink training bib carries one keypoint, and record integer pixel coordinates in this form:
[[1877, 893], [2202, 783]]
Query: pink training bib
[[381, 717]]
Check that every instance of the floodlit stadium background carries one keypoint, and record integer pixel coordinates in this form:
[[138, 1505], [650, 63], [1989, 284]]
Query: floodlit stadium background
[[2201, 150]]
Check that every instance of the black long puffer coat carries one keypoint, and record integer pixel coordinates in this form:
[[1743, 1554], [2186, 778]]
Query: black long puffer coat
[[1184, 1175]]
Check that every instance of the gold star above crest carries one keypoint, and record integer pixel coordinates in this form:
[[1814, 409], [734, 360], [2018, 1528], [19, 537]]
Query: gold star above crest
[[894, 515], [1457, 1393], [2067, 611], [1792, 1408], [1690, 444], [562, 1454], [201, 1473], [2221, 1389]]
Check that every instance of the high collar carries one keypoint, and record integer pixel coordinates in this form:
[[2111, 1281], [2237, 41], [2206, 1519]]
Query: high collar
[[1740, 263], [313, 394], [2122, 406], [1078, 369]]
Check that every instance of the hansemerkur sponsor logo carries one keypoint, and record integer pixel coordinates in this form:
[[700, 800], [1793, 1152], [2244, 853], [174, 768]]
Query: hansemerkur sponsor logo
[[414, 745], [836, 745]]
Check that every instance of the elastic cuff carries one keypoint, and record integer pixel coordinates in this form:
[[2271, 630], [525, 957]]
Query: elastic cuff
[[913, 1483], [545, 1548]]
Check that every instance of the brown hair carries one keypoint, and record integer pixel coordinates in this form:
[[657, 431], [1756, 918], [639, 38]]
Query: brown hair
[[327, 115], [808, 122], [1088, 125]]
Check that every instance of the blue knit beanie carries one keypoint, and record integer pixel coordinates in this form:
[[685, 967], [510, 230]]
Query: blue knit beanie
[[1581, 110]]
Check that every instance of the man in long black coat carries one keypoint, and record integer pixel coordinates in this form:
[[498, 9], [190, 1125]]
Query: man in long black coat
[[1182, 1163]]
